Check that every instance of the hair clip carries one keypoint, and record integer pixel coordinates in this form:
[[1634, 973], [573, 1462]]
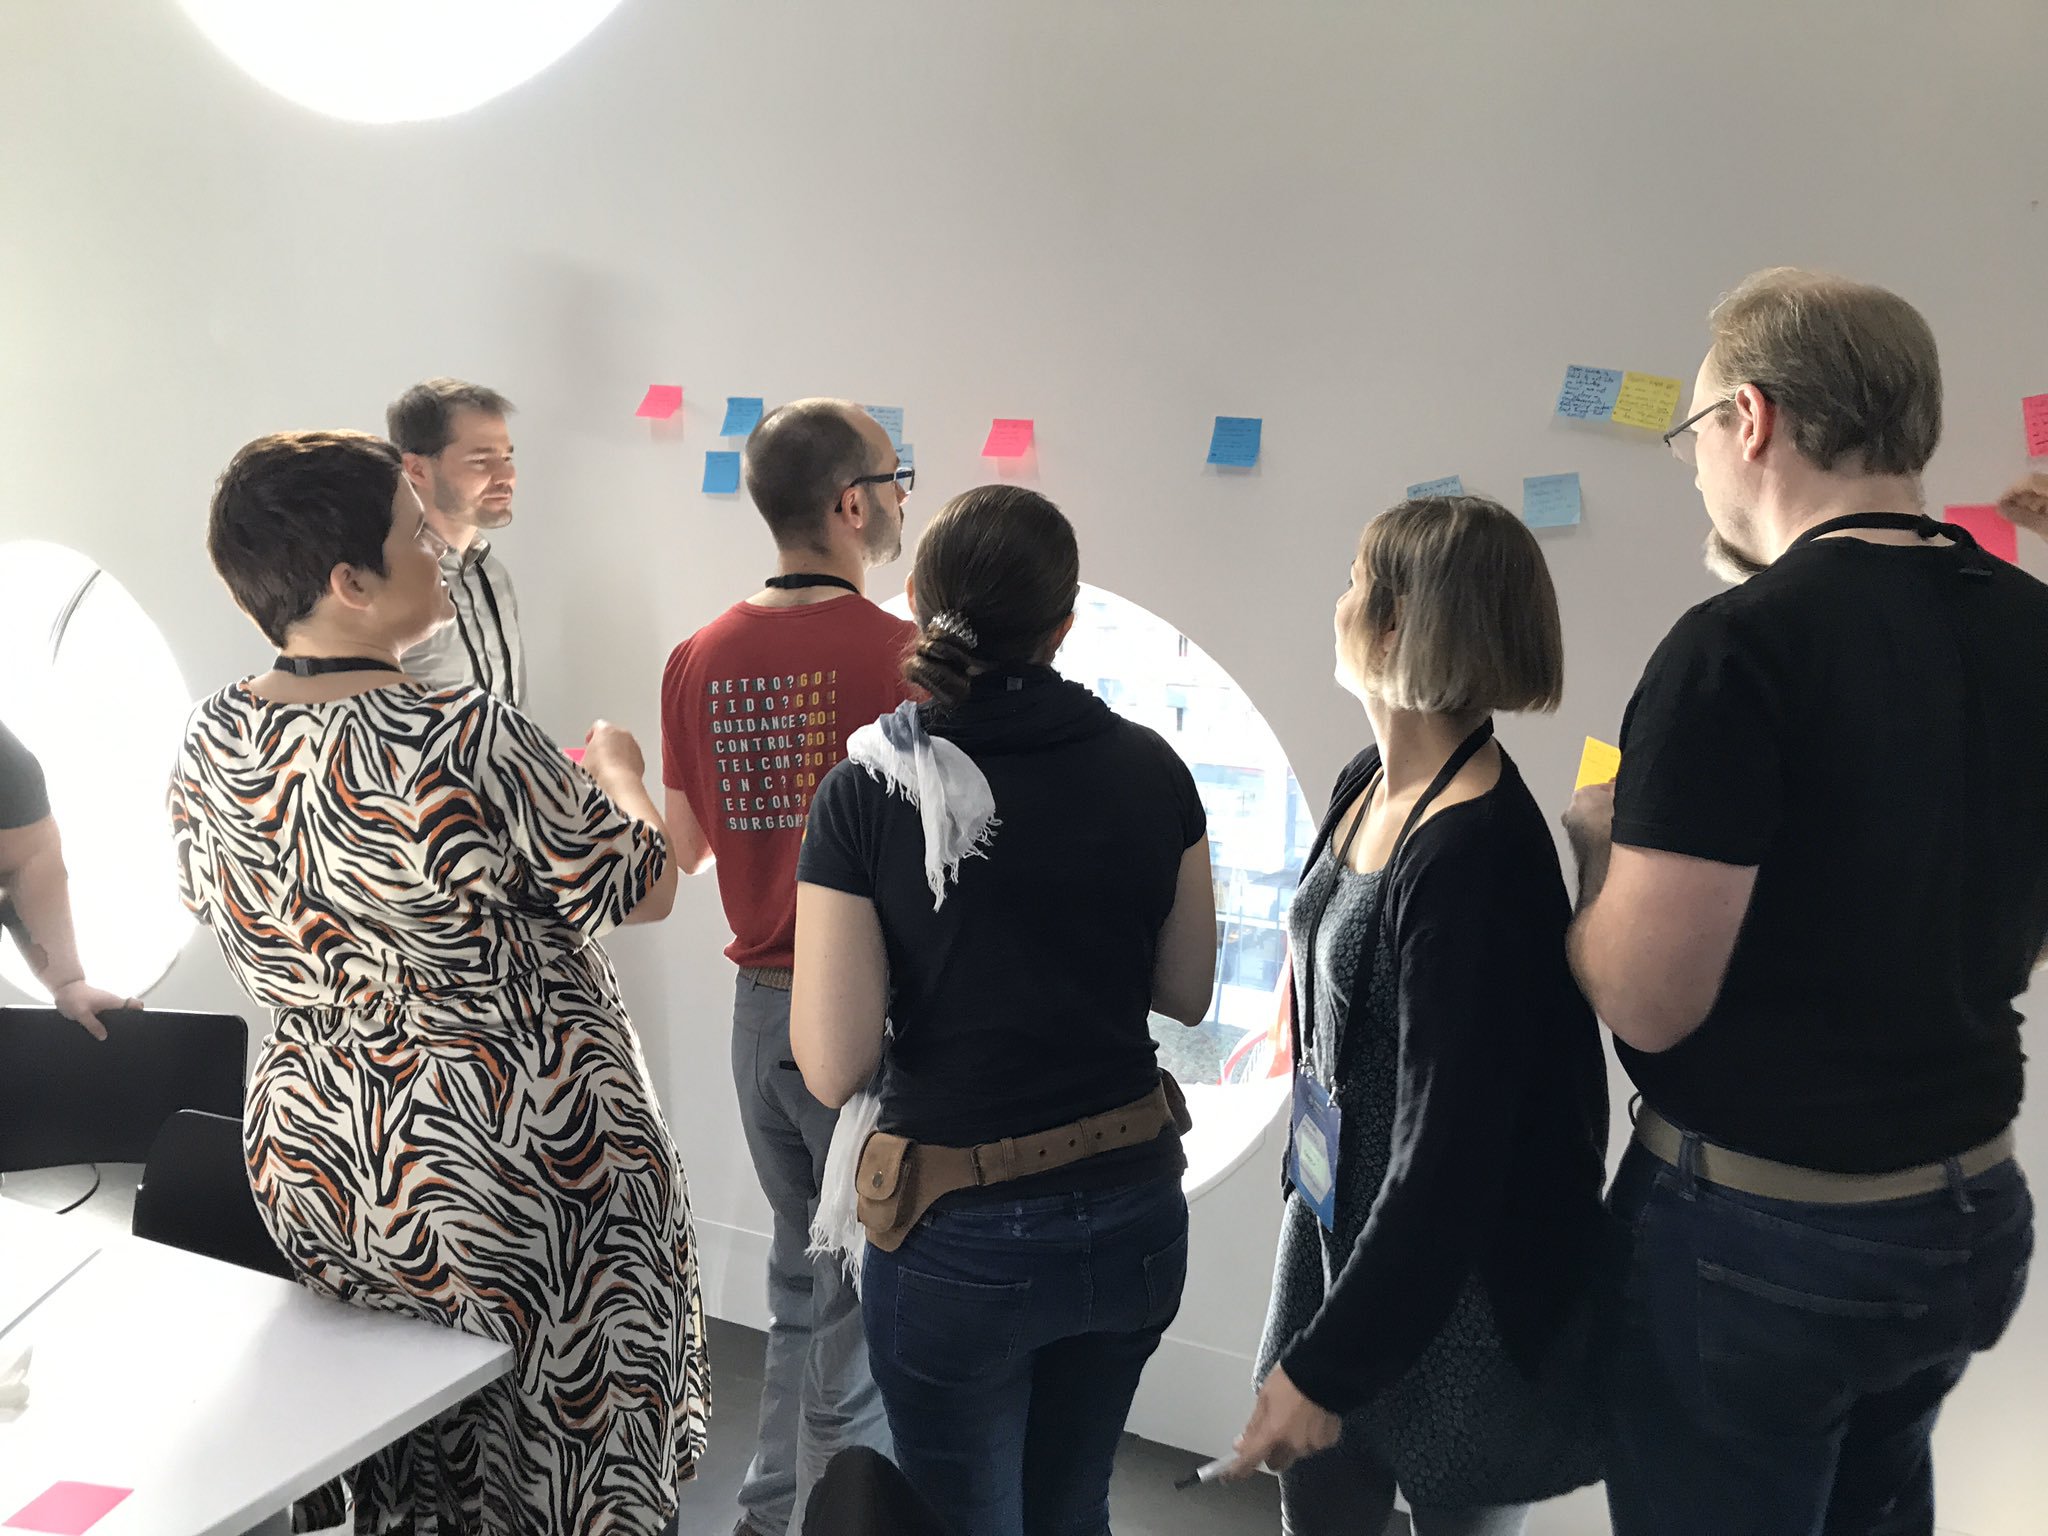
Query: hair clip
[[954, 623]]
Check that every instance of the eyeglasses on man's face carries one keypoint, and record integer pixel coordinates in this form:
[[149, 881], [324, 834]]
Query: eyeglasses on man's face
[[1684, 439], [903, 477]]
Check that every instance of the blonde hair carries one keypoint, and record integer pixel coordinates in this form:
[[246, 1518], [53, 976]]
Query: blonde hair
[[1853, 367], [1463, 588]]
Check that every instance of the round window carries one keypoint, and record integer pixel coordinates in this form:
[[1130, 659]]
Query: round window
[[1234, 1065], [394, 61], [89, 685]]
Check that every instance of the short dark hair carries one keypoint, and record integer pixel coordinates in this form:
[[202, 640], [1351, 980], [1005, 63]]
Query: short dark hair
[[292, 506], [799, 460], [1002, 561], [421, 420]]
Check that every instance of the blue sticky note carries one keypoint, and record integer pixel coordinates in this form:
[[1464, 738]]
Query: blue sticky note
[[1450, 485], [742, 415], [891, 418], [1551, 501], [1235, 441], [907, 455], [1589, 393], [721, 473]]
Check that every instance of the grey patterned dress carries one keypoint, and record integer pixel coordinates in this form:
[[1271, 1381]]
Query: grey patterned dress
[[1462, 1426]]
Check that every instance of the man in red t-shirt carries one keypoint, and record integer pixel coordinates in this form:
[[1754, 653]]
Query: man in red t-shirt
[[755, 710]]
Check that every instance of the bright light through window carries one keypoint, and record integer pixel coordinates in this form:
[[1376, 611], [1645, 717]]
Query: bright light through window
[[395, 61], [1260, 830], [90, 687]]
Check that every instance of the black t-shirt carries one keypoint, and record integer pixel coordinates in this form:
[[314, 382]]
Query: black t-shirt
[[1867, 725], [1023, 1002], [23, 798]]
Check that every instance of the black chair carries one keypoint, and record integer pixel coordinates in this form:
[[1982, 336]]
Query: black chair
[[68, 1098], [863, 1493], [195, 1194]]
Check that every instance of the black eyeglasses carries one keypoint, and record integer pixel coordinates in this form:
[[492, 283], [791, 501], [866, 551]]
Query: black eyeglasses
[[1683, 442], [904, 476]]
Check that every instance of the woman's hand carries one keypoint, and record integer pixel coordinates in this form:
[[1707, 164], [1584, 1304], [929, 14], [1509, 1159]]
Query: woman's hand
[[610, 752], [1285, 1426], [82, 1004]]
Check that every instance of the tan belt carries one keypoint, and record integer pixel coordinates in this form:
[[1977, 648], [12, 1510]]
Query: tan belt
[[1812, 1186], [777, 976], [899, 1178]]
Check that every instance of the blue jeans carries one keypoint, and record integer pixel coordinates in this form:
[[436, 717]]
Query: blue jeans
[[1777, 1367], [1008, 1338]]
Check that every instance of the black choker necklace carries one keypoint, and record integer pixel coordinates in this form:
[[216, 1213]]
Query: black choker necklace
[[314, 666], [811, 579]]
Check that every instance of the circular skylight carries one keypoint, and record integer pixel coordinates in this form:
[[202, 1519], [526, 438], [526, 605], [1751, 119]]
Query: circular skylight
[[395, 61]]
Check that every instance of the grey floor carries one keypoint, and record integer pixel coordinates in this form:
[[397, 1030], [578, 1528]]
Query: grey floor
[[1143, 1500]]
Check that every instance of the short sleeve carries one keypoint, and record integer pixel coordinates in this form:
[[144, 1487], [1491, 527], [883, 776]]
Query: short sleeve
[[838, 844], [1701, 766], [583, 859], [24, 798], [675, 719]]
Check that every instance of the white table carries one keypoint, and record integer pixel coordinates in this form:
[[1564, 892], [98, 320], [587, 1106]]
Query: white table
[[219, 1395]]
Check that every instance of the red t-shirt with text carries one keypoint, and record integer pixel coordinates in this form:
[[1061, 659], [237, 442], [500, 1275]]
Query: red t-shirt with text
[[755, 711]]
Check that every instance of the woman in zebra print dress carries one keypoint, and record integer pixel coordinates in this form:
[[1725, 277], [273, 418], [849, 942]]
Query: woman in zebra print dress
[[452, 1118]]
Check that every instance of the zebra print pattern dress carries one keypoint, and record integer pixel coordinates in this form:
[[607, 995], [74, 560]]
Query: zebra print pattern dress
[[453, 1118]]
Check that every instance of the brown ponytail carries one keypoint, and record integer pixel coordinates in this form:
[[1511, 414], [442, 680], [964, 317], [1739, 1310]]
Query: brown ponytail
[[996, 573]]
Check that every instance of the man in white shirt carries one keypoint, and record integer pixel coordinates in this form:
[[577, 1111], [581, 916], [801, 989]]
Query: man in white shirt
[[458, 455]]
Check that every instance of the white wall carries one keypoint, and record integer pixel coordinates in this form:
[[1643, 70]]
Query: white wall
[[1386, 229]]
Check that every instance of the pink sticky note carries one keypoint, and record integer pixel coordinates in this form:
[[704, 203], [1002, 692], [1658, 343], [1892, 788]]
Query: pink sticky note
[[1008, 438], [1990, 528], [662, 401], [2034, 409], [574, 754], [68, 1509]]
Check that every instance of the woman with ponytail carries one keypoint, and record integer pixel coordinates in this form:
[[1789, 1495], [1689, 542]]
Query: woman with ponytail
[[997, 888]]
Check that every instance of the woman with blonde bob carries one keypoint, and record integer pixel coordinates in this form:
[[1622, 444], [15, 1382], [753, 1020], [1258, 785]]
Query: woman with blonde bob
[[1428, 1326]]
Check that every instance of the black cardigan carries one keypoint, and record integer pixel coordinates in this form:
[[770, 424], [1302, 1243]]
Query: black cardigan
[[1500, 1132]]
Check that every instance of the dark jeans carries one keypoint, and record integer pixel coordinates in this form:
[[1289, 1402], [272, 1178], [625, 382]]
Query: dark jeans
[[1777, 1367], [1007, 1339]]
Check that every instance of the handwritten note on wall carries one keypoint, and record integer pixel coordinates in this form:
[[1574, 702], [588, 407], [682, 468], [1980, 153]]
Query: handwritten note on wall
[[1551, 501], [721, 473], [1647, 401], [1009, 438], [1589, 393], [2034, 411], [1449, 485], [1234, 441]]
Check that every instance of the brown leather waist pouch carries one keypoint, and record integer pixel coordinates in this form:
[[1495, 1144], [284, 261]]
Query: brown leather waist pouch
[[899, 1178]]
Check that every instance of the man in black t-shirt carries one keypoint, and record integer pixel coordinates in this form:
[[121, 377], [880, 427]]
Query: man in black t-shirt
[[35, 891], [1807, 908]]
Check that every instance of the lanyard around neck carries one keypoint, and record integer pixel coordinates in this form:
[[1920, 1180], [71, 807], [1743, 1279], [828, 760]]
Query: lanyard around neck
[[800, 579], [1895, 522], [1341, 854]]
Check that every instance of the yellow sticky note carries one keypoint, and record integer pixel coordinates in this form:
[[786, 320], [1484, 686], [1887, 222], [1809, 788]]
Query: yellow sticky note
[[1598, 764], [1647, 401]]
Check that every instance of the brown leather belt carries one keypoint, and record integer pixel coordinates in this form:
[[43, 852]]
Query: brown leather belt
[[899, 1179], [777, 976], [1812, 1186]]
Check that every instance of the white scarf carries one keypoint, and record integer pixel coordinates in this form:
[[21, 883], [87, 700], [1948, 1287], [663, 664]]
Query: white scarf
[[950, 793], [959, 816]]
